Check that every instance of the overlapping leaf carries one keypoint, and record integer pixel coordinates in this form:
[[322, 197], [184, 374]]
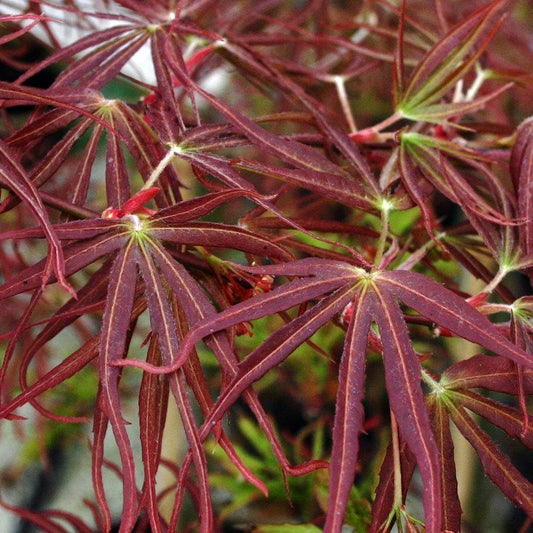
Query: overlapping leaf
[[342, 283], [158, 263], [448, 62]]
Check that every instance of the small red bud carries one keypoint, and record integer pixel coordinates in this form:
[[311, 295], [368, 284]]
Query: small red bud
[[133, 206]]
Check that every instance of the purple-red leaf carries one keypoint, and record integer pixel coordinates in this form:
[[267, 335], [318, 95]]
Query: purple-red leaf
[[13, 175], [449, 60], [383, 503], [197, 307], [497, 466], [451, 508], [214, 235], [403, 378], [77, 256], [188, 210], [495, 373], [349, 415], [67, 368], [522, 175], [510, 419], [32, 96], [281, 298], [277, 347], [445, 308], [338, 187], [113, 346]]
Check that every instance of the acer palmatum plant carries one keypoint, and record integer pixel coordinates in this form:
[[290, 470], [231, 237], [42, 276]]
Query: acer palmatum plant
[[281, 219]]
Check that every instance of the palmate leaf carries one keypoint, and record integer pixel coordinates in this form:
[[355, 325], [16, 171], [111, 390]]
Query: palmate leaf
[[77, 256], [68, 99], [128, 239], [510, 419], [125, 128], [258, 63], [324, 277], [402, 366], [449, 60], [95, 238], [440, 113], [271, 353], [318, 156], [225, 172], [420, 160], [297, 154], [68, 52], [183, 285], [277, 347], [498, 374]]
